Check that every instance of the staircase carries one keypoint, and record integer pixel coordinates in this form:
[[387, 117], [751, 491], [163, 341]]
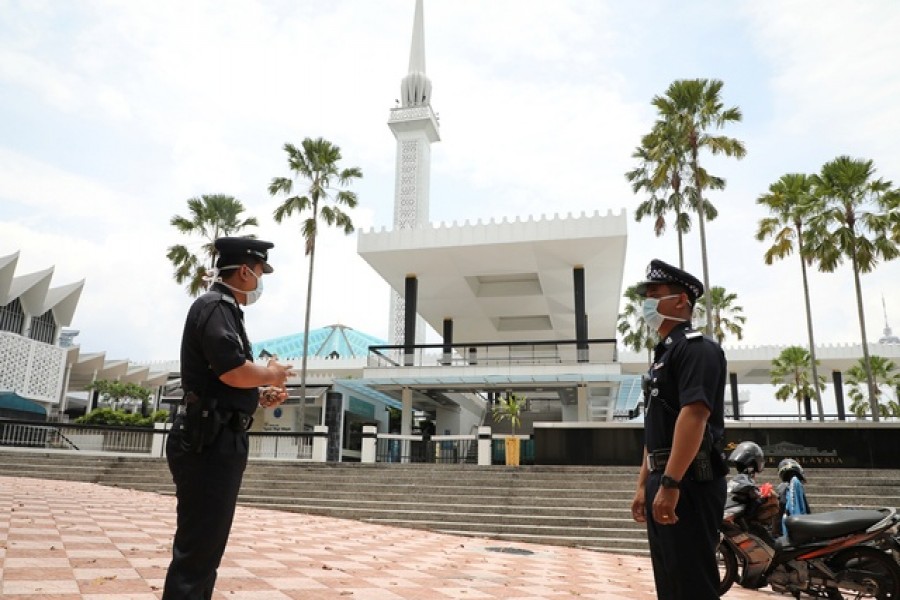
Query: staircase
[[587, 507]]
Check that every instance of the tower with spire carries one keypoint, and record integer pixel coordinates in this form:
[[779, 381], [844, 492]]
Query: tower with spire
[[415, 128], [888, 337]]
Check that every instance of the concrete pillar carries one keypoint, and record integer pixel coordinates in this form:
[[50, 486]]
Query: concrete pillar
[[484, 446], [334, 416], [406, 421], [582, 394], [409, 320], [580, 314], [369, 443], [158, 444], [447, 357], [320, 443], [735, 402], [837, 378]]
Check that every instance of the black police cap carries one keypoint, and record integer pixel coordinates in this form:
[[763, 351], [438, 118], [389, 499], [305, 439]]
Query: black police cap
[[660, 272], [232, 249]]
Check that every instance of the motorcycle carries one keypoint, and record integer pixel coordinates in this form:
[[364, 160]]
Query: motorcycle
[[831, 555]]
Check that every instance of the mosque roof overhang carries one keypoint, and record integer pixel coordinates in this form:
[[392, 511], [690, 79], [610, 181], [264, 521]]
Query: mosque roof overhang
[[509, 280], [753, 364]]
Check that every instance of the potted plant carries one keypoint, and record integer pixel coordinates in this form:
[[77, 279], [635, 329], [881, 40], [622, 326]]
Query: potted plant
[[510, 407]]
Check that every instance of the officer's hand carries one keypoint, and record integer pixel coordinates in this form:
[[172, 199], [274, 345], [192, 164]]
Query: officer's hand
[[664, 506], [281, 372], [271, 396], [639, 506]]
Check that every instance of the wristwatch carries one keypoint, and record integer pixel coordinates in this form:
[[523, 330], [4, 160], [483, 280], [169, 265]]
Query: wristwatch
[[670, 483]]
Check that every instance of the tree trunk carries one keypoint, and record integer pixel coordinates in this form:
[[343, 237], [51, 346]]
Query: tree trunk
[[701, 222], [809, 329], [309, 285], [873, 396]]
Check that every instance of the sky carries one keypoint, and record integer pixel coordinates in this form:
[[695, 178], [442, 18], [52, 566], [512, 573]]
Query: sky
[[115, 113]]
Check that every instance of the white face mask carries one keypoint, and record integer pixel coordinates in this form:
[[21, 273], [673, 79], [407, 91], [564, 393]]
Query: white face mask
[[652, 316], [251, 296]]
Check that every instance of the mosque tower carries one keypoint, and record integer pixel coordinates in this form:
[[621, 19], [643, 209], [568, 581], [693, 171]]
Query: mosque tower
[[888, 337], [415, 127]]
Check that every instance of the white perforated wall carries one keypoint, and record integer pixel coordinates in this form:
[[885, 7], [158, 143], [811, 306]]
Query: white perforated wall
[[31, 369]]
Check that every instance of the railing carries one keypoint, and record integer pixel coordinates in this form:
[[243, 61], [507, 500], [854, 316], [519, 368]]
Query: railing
[[90, 438], [448, 449], [281, 445], [550, 352], [140, 440]]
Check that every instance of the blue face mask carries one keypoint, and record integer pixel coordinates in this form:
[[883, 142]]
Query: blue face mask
[[651, 314]]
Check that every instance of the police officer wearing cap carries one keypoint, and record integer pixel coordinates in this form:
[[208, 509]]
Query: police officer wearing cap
[[681, 487], [207, 446]]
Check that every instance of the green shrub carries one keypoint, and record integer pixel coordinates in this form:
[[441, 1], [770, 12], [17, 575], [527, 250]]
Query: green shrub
[[120, 418]]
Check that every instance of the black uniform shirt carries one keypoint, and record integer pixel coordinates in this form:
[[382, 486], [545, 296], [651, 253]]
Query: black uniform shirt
[[687, 367], [214, 342]]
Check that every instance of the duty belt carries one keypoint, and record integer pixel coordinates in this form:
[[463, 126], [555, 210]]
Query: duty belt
[[236, 420], [656, 460]]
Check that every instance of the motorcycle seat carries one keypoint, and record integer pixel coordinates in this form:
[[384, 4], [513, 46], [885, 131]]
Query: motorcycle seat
[[802, 529]]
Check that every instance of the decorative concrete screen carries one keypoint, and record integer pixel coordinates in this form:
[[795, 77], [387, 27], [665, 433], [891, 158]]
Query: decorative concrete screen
[[31, 369]]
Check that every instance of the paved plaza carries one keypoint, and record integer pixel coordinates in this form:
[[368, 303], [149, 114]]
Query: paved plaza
[[67, 541]]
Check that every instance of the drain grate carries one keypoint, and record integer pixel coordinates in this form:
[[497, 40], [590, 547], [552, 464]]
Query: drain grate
[[509, 550]]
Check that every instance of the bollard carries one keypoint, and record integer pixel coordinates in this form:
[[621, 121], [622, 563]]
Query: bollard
[[484, 446], [369, 443]]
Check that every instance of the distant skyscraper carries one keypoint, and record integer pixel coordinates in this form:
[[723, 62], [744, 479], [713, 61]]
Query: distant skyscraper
[[415, 127]]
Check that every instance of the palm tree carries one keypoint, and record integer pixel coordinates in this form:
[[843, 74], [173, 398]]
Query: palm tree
[[211, 216], [316, 163], [884, 373], [790, 201], [635, 333], [858, 217], [658, 177], [791, 370], [692, 107], [727, 316], [662, 168]]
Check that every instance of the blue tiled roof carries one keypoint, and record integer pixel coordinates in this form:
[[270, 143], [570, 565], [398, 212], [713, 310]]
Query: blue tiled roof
[[334, 341]]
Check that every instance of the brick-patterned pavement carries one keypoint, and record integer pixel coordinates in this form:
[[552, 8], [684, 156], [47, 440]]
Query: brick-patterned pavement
[[71, 541]]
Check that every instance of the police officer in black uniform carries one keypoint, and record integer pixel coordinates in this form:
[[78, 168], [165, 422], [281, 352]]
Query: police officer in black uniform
[[207, 447], [681, 488]]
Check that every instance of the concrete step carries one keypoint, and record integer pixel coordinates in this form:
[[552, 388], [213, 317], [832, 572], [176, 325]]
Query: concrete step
[[587, 507]]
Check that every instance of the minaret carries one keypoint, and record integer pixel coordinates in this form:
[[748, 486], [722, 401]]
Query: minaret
[[888, 337], [415, 126]]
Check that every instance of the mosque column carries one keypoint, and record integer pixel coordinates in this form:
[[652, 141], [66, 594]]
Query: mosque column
[[447, 359], [582, 395], [837, 378], [411, 290], [580, 314], [735, 402], [406, 421]]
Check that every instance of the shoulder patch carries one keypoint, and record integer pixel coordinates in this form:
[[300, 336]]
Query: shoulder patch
[[693, 335]]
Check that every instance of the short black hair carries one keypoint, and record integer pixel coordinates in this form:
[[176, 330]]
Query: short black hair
[[236, 261]]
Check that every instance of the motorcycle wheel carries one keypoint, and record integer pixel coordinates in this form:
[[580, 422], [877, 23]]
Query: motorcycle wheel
[[728, 567], [868, 567]]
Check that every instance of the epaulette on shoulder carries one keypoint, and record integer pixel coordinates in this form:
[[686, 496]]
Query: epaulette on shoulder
[[227, 298], [693, 335], [207, 310]]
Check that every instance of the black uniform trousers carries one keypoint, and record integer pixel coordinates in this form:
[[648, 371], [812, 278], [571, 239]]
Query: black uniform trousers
[[684, 554], [206, 486]]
